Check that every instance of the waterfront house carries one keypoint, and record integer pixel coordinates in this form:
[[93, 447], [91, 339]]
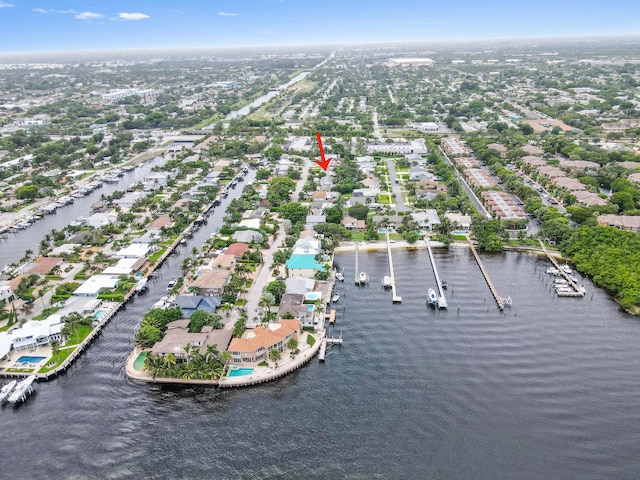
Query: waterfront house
[[5, 291], [98, 220], [125, 266], [189, 304], [292, 304], [135, 250], [255, 345], [35, 334], [178, 336], [158, 224], [428, 220], [353, 224], [303, 266], [96, 284]]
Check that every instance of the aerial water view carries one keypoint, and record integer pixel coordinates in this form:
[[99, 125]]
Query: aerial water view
[[276, 239]]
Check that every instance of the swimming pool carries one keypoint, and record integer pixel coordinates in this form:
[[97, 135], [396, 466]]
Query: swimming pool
[[98, 315], [28, 359], [138, 364], [460, 232], [239, 372]]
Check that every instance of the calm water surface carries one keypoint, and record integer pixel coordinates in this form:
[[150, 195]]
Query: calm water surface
[[548, 390]]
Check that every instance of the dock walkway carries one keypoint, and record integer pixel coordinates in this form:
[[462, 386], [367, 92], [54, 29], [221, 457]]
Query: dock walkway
[[577, 292], [395, 298], [442, 299], [494, 292]]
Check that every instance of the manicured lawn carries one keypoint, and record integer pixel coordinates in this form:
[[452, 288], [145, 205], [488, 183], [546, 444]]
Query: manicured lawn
[[157, 255], [60, 357], [78, 335], [311, 340], [384, 199]]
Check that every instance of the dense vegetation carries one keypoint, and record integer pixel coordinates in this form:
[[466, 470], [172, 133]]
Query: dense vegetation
[[611, 257]]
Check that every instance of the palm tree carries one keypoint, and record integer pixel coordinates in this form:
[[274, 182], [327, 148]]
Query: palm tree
[[212, 353], [55, 347], [275, 355], [226, 308], [292, 344], [187, 351], [225, 357], [170, 360]]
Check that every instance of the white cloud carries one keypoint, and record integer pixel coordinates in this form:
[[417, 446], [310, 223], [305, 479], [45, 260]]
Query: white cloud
[[5, 5], [225, 14], [88, 16], [132, 16], [43, 10]]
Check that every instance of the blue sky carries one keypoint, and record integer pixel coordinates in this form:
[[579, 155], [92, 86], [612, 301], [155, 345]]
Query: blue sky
[[46, 25]]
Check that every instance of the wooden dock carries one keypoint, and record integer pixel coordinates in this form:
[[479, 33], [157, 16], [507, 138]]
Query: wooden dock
[[323, 349], [576, 288], [442, 299], [494, 292], [395, 298], [331, 317]]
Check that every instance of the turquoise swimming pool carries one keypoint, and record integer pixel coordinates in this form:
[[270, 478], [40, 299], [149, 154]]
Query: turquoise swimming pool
[[98, 315], [239, 372], [28, 359]]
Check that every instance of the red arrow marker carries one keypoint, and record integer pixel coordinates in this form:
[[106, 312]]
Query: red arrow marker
[[324, 164]]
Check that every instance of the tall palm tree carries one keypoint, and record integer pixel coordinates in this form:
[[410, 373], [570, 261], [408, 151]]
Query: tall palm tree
[[212, 353], [225, 357], [275, 355], [226, 308]]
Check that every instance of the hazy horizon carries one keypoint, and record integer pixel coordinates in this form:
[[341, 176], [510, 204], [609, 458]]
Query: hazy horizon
[[146, 24]]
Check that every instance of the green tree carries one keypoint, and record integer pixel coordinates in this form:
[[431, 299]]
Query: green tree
[[359, 211], [277, 288], [333, 215], [293, 211], [275, 355]]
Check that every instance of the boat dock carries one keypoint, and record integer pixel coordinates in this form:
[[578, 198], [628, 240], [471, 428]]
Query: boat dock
[[331, 317], [576, 288], [323, 349], [494, 292], [395, 298], [442, 299], [22, 390]]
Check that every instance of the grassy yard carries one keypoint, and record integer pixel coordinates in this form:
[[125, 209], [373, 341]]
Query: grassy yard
[[311, 340], [384, 199], [58, 358], [157, 255], [78, 335]]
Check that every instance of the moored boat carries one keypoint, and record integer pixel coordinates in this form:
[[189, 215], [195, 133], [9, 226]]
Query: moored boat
[[335, 298], [6, 390], [340, 276], [433, 298], [22, 390], [386, 281]]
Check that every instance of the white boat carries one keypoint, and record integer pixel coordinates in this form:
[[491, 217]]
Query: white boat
[[386, 281], [335, 298], [6, 390], [566, 268], [340, 276], [565, 289], [141, 285], [573, 278], [553, 271], [22, 390], [433, 298], [363, 277]]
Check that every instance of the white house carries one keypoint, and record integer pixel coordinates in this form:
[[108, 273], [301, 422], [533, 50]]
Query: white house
[[98, 220], [5, 292], [135, 250], [95, 284], [37, 333]]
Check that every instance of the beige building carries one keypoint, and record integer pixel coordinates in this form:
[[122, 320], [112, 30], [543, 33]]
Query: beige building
[[255, 345]]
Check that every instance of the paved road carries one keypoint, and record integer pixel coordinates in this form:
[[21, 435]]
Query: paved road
[[395, 186], [467, 188], [264, 276]]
